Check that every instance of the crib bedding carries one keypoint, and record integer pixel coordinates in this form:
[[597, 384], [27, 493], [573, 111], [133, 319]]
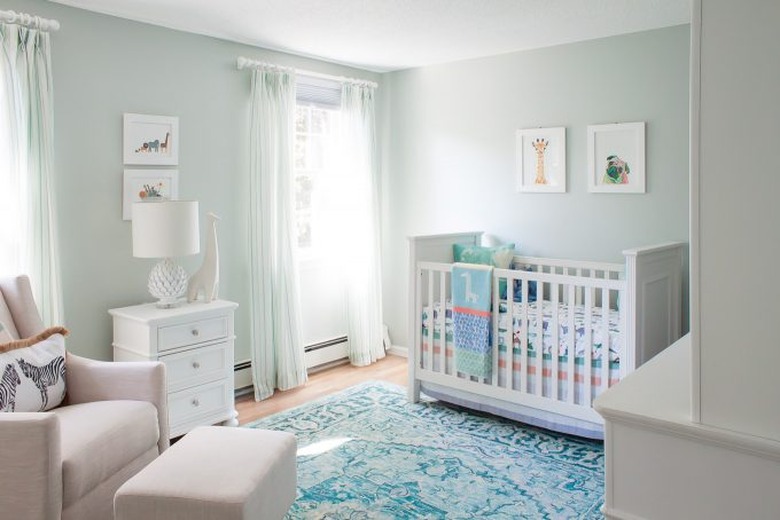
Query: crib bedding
[[596, 326], [547, 364]]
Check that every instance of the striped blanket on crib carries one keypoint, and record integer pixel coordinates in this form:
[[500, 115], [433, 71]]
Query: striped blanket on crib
[[471, 298]]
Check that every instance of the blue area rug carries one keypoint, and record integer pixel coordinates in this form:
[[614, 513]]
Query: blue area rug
[[367, 452]]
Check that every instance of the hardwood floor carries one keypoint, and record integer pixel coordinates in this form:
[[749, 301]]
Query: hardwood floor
[[391, 369]]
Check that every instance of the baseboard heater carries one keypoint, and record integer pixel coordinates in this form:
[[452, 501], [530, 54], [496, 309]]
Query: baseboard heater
[[325, 352], [242, 366], [316, 355]]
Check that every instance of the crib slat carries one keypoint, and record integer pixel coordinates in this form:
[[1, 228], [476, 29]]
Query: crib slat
[[571, 347], [432, 341], [539, 346], [418, 332], [605, 336], [588, 339], [524, 337], [554, 333], [494, 335], [443, 323], [509, 338]]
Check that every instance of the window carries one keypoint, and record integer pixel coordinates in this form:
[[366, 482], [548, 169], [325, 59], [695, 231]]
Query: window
[[318, 106], [314, 133]]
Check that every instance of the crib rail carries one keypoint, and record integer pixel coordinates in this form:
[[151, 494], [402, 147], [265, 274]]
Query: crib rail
[[588, 288], [571, 267]]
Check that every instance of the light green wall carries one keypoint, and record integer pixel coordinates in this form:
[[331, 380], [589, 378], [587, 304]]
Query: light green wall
[[103, 67], [448, 128], [449, 151]]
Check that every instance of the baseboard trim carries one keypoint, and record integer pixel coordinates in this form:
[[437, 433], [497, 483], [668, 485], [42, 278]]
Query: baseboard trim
[[325, 366], [243, 374], [398, 350]]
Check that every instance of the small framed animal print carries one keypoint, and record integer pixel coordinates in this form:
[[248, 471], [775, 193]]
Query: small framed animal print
[[616, 158], [541, 160], [152, 140], [148, 186]]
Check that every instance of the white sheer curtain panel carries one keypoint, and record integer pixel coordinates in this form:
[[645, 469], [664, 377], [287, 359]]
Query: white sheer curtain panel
[[28, 242], [360, 230], [277, 346]]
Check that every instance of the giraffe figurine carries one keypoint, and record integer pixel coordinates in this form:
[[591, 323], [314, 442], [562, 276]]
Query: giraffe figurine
[[206, 279], [540, 145]]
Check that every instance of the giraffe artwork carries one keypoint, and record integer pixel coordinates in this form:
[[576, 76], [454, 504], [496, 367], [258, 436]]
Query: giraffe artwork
[[540, 145], [541, 160]]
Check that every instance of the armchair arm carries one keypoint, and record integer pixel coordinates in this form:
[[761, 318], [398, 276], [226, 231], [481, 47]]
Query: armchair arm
[[31, 468], [90, 380]]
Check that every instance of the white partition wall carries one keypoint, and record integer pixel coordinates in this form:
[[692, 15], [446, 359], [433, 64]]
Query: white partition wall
[[695, 433], [736, 217]]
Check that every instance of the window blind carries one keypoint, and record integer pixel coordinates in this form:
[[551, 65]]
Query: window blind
[[325, 93]]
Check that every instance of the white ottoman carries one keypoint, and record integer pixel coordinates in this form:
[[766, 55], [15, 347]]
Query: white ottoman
[[215, 473]]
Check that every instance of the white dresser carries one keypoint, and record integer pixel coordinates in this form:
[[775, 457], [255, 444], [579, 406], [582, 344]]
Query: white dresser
[[195, 341]]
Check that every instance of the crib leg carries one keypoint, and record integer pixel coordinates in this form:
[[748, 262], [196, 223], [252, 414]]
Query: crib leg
[[414, 391]]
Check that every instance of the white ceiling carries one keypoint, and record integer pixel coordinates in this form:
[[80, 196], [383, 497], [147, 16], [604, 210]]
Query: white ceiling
[[385, 35]]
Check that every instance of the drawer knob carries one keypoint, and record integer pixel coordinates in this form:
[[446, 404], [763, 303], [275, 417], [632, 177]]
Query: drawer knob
[[195, 365], [195, 402], [195, 332]]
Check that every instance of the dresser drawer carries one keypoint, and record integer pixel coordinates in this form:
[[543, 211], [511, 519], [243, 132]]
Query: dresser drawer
[[200, 331], [207, 400], [197, 366]]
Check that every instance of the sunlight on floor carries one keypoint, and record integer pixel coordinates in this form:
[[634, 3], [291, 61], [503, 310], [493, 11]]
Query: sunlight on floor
[[321, 447]]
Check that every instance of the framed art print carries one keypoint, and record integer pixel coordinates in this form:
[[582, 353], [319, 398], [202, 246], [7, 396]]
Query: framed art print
[[541, 160], [152, 140], [616, 158], [141, 185]]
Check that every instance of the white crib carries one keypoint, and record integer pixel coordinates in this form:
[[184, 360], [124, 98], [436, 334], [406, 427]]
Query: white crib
[[548, 355]]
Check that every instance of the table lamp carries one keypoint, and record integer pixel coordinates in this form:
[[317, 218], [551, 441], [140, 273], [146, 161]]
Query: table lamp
[[166, 229]]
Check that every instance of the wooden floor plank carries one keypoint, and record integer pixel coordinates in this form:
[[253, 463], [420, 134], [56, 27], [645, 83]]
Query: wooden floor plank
[[391, 369]]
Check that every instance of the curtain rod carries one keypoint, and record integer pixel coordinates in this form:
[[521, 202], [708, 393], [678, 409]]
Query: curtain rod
[[28, 20], [246, 63]]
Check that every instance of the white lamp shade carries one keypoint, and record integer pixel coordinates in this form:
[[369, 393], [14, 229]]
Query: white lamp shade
[[165, 229]]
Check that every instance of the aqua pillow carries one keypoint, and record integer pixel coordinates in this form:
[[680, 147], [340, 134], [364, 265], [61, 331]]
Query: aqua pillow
[[498, 256]]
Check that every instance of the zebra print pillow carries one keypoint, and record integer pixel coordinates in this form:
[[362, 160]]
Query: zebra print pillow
[[32, 379]]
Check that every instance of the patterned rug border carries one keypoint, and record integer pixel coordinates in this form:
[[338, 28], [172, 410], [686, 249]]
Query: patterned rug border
[[336, 395]]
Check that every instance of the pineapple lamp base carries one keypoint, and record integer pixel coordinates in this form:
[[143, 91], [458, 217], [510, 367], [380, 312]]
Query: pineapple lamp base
[[168, 283]]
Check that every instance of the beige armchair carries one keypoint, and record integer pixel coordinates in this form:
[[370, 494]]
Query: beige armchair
[[69, 461]]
